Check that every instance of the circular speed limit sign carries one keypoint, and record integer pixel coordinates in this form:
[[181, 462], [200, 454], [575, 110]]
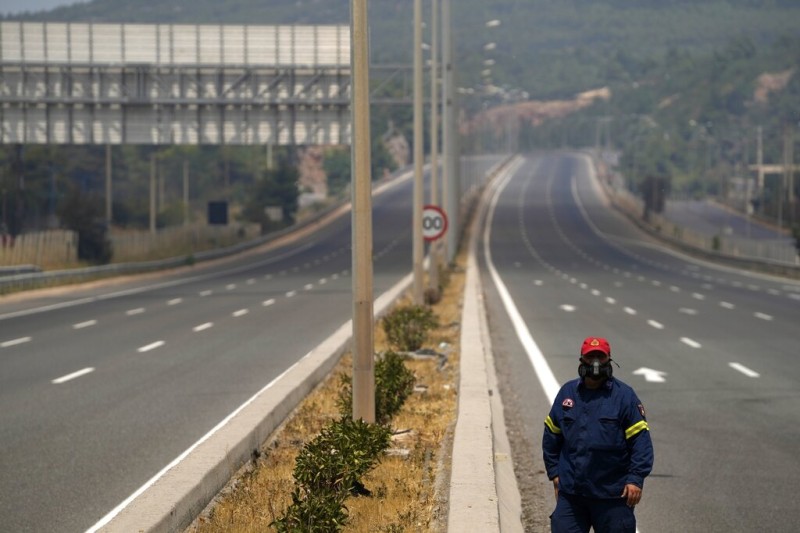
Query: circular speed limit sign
[[434, 222]]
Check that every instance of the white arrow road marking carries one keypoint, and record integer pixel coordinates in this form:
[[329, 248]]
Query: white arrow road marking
[[151, 346], [744, 370], [14, 342], [568, 308], [654, 376], [68, 377], [690, 342], [81, 325]]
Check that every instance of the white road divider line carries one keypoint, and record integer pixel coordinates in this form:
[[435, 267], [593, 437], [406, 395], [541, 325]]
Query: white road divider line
[[205, 293], [175, 301], [657, 325], [726, 305], [630, 311], [230, 286], [267, 303], [240, 312], [69, 377], [610, 300], [690, 342], [14, 342], [151, 346], [688, 311], [201, 327], [137, 311], [308, 286], [698, 296], [86, 324], [290, 294], [744, 370], [762, 316]]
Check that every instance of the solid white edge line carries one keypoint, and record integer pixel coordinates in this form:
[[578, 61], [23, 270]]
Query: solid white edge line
[[68, 377], [114, 512], [744, 370], [540, 366]]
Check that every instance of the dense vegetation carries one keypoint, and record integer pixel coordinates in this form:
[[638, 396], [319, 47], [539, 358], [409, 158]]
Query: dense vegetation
[[683, 75]]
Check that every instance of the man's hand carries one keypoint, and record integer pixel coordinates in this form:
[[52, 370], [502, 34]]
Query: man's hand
[[632, 493], [555, 486]]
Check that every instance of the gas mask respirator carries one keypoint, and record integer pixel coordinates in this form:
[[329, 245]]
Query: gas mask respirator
[[595, 369]]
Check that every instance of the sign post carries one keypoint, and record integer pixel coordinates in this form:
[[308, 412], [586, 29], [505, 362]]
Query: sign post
[[434, 223]]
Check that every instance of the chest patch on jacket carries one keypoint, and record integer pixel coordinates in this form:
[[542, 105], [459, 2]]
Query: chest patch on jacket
[[568, 403]]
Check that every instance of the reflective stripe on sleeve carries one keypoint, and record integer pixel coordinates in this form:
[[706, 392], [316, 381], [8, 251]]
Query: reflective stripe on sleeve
[[552, 425], [636, 428]]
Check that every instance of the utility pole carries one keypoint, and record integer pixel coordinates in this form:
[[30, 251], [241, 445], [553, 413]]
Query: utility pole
[[419, 155], [185, 192], [450, 170], [153, 192], [109, 194], [363, 343]]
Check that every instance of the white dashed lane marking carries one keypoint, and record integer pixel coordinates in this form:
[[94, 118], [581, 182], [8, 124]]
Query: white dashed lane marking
[[763, 316], [240, 312], [151, 346], [175, 301], [86, 324], [137, 311], [657, 325], [202, 327], [14, 342], [70, 377], [267, 303], [744, 370], [690, 342]]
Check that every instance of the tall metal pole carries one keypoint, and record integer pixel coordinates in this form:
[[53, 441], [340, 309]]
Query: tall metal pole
[[153, 192], [450, 177], [433, 265], [363, 344], [109, 213], [185, 192], [416, 223]]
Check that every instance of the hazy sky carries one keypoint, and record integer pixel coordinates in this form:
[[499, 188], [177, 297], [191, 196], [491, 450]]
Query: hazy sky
[[18, 6]]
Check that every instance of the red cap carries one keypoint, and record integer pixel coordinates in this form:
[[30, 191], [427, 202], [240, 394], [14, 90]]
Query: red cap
[[595, 344]]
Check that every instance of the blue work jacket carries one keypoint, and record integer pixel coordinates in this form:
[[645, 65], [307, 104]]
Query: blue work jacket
[[597, 441]]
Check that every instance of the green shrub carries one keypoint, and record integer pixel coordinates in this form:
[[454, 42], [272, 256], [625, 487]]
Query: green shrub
[[394, 383], [313, 512], [337, 458], [406, 327]]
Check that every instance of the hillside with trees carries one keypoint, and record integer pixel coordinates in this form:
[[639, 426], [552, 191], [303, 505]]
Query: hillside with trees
[[686, 84]]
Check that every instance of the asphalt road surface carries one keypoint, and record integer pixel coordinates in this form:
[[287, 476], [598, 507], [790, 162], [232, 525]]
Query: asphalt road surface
[[712, 352], [102, 386]]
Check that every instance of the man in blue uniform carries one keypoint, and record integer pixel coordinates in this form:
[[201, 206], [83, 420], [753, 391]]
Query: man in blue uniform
[[597, 448]]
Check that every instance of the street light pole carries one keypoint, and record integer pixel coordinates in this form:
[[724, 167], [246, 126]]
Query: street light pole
[[418, 157], [433, 265], [363, 343], [449, 179]]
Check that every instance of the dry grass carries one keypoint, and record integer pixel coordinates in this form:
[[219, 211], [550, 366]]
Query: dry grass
[[409, 491]]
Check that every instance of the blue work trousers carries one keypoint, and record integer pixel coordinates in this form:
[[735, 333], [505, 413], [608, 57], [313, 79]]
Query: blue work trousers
[[576, 514]]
